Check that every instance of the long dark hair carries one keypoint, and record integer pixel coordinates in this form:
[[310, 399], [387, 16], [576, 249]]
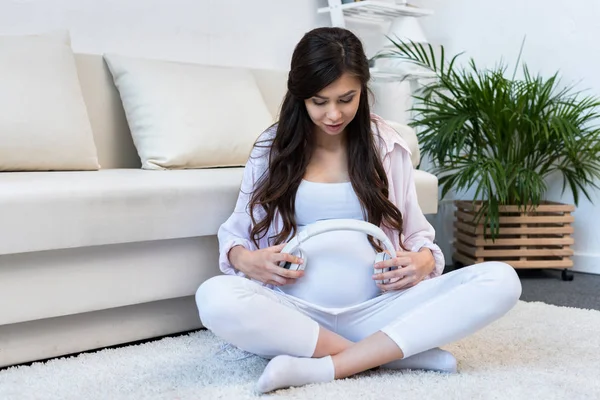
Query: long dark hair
[[319, 59]]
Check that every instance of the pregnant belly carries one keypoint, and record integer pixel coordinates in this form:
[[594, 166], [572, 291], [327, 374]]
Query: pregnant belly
[[339, 266]]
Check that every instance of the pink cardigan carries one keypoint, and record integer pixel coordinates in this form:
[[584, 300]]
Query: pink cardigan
[[418, 233]]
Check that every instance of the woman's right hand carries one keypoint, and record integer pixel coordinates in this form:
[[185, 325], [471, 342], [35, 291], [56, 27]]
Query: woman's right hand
[[263, 264]]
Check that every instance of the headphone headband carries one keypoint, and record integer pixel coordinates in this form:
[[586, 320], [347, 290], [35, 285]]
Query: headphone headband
[[339, 225]]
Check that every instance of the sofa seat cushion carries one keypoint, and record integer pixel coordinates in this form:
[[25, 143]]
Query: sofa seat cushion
[[56, 210], [60, 210]]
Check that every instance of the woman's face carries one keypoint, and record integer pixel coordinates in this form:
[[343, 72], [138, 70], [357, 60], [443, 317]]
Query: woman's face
[[334, 107]]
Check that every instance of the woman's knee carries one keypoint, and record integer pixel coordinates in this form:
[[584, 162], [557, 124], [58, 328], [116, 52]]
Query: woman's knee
[[505, 279], [216, 299]]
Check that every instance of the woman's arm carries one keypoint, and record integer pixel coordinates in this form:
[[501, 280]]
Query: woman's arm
[[235, 231], [419, 235]]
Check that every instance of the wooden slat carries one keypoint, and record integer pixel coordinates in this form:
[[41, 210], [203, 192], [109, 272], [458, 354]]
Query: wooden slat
[[541, 219], [461, 258], [533, 264], [543, 207], [477, 252], [540, 239], [542, 264], [480, 241], [465, 249], [523, 237], [529, 230], [523, 253]]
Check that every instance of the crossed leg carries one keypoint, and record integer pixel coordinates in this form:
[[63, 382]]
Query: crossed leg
[[434, 313], [411, 323]]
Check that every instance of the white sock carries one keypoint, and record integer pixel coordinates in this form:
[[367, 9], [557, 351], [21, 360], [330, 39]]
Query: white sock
[[435, 359], [286, 371]]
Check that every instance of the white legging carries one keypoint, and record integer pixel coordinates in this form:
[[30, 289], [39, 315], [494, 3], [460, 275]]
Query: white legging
[[433, 313]]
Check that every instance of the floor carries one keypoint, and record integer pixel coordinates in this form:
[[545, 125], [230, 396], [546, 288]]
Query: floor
[[548, 287], [538, 285]]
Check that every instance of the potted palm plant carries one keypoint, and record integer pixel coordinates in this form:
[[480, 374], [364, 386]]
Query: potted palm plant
[[501, 138]]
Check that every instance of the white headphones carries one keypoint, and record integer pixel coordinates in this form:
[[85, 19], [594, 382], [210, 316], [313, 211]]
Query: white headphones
[[293, 246]]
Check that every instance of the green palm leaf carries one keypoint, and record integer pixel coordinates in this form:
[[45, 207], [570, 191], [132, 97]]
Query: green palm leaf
[[502, 136]]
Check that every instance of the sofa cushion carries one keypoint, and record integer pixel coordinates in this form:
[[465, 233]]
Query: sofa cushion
[[58, 210], [189, 115], [427, 191], [43, 119], [54, 210]]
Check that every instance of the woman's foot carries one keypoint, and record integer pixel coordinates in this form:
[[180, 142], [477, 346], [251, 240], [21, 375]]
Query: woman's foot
[[286, 371], [431, 360]]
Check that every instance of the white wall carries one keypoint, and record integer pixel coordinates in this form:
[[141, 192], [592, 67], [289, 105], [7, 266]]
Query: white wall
[[559, 36], [257, 33]]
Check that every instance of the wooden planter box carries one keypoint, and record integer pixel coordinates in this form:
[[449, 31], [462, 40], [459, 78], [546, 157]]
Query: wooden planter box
[[536, 239]]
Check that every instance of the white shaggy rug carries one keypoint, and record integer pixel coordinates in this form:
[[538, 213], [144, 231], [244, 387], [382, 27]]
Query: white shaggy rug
[[537, 351]]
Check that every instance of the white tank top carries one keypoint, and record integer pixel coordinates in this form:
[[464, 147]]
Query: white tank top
[[339, 264]]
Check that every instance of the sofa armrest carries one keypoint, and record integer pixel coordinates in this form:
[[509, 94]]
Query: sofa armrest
[[426, 183], [410, 136]]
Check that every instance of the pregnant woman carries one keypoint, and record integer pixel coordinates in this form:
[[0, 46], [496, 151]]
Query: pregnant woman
[[329, 158]]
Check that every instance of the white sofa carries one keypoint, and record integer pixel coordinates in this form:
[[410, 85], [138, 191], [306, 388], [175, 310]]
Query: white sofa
[[90, 259]]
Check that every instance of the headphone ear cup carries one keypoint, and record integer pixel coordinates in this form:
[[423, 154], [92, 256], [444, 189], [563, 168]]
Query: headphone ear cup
[[292, 266], [378, 258]]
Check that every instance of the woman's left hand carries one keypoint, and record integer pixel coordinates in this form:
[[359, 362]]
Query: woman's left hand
[[412, 269]]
